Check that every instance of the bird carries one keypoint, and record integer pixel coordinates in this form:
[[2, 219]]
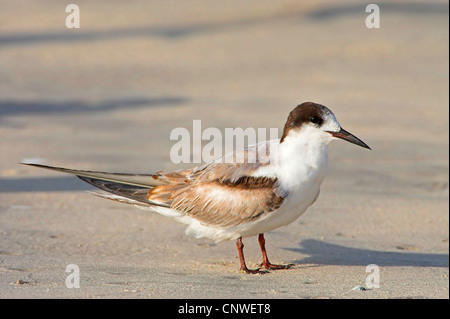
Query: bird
[[233, 197]]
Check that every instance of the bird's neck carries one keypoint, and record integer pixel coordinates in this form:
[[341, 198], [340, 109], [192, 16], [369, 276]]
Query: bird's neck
[[302, 160]]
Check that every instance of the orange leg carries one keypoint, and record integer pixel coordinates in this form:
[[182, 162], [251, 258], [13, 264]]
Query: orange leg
[[240, 248], [266, 263]]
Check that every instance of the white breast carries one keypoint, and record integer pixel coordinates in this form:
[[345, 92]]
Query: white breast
[[300, 169]]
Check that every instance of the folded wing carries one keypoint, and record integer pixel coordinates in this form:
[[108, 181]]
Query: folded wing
[[221, 193]]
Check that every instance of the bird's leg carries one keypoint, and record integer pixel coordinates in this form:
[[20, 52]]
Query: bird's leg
[[266, 263], [240, 248]]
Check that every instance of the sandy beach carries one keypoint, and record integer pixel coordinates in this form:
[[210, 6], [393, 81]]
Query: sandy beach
[[106, 97]]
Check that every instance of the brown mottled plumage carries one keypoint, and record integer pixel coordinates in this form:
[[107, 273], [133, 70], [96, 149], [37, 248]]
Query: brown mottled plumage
[[241, 201]]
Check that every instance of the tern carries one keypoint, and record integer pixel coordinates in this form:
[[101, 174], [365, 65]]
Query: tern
[[231, 200]]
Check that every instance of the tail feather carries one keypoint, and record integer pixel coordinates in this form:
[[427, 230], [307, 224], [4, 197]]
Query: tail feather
[[121, 199], [135, 193], [127, 188], [141, 180]]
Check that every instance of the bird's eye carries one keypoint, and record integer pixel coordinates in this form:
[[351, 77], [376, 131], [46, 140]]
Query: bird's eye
[[315, 120]]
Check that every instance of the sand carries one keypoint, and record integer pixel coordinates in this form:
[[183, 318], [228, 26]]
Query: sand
[[106, 97]]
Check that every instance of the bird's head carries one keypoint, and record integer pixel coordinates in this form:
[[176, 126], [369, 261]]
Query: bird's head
[[317, 124]]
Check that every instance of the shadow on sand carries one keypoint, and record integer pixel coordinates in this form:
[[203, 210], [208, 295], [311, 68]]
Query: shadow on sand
[[13, 107], [43, 184], [174, 32], [324, 253], [336, 11]]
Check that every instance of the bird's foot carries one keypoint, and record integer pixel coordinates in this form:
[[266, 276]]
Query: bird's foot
[[257, 271], [270, 266]]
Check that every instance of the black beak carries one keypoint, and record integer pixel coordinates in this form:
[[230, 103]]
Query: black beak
[[349, 137]]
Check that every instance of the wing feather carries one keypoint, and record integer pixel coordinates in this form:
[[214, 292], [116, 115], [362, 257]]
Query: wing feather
[[226, 192], [222, 203]]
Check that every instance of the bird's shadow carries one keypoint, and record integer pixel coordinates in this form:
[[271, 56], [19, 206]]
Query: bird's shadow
[[323, 253]]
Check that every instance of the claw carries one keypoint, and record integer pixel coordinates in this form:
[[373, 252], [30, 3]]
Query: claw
[[275, 267], [254, 271]]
